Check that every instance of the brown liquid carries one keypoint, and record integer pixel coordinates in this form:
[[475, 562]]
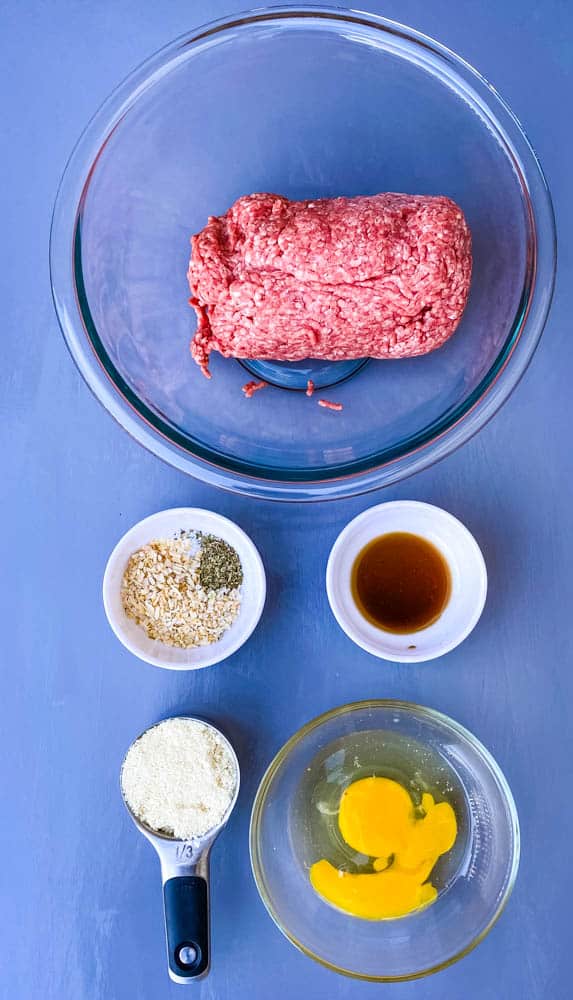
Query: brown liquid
[[400, 582]]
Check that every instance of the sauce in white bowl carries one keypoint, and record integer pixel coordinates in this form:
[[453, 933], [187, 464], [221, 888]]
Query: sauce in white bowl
[[461, 554]]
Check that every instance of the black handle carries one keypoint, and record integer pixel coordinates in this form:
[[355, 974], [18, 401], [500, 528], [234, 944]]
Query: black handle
[[186, 899]]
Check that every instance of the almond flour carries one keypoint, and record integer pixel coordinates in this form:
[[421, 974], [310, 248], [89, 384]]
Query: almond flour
[[179, 778]]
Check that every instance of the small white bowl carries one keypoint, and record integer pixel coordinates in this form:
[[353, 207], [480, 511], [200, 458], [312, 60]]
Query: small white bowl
[[166, 524], [467, 568]]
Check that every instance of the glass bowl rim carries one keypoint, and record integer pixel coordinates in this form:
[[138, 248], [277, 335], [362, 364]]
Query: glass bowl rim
[[424, 712], [361, 476]]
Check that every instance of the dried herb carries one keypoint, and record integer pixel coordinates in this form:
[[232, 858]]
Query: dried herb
[[220, 565]]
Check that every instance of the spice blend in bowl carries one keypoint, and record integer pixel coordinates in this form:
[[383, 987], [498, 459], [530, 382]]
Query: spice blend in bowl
[[184, 588], [183, 591]]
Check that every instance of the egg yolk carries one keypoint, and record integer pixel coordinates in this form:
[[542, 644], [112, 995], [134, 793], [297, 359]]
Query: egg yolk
[[377, 817]]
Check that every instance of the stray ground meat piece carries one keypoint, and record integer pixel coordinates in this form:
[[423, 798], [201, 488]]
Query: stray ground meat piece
[[309, 387], [330, 406], [251, 387], [384, 276]]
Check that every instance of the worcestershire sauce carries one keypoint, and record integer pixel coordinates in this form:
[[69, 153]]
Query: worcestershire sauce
[[400, 582]]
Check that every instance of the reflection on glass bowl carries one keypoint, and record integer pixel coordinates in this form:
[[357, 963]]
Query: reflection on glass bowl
[[307, 103]]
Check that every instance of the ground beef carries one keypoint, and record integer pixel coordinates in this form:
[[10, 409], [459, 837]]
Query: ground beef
[[250, 388], [329, 405], [385, 276]]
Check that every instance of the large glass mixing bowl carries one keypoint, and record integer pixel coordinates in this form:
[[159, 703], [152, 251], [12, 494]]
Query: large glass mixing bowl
[[301, 791], [310, 102]]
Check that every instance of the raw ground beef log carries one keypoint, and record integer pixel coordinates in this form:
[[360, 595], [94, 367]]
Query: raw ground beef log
[[385, 276]]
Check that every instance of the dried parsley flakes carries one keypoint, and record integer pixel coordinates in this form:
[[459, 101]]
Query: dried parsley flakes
[[220, 565]]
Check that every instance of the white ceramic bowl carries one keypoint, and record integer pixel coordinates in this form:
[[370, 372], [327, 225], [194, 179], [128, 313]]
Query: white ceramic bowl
[[166, 524], [467, 568]]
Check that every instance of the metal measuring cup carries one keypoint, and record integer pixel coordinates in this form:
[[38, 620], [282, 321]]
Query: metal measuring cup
[[185, 879]]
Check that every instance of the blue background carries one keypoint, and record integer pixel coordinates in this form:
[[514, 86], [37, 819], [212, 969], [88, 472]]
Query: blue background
[[80, 893]]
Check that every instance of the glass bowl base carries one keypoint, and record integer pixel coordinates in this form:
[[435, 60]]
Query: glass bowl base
[[297, 374]]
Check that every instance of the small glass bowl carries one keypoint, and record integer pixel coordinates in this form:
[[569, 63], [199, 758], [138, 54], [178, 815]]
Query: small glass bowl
[[473, 893], [309, 103]]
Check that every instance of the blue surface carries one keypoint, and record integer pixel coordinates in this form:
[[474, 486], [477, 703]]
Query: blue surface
[[80, 893]]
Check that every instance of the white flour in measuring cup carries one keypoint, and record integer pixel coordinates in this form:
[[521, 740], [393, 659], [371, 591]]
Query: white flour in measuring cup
[[179, 778]]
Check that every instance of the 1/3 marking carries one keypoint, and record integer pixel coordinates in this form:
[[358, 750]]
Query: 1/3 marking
[[184, 852]]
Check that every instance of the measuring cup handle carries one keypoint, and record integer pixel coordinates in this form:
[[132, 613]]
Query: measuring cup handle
[[186, 899]]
